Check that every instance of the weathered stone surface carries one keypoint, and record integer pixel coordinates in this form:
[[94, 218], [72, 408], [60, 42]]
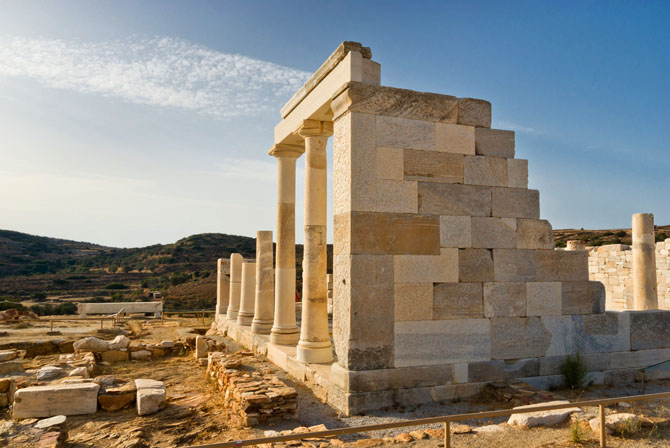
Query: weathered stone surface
[[454, 138], [8, 355], [599, 333], [493, 233], [442, 342], [441, 268], [91, 345], [638, 358], [60, 399], [398, 132], [146, 383], [455, 231], [454, 199], [474, 112], [388, 233], [398, 378], [518, 337], [116, 398], [118, 343], [475, 265], [494, 142], [390, 163], [47, 373], [515, 203], [486, 371], [51, 422], [544, 299], [140, 355], [114, 356], [10, 367], [649, 329], [534, 234], [541, 418], [582, 297], [482, 170], [457, 301], [396, 196], [433, 166], [413, 301], [517, 173], [616, 423], [511, 265], [200, 347], [561, 265], [504, 299], [150, 401], [5, 383]]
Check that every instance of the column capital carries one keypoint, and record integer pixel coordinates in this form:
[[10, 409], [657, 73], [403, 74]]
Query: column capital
[[315, 128], [283, 150]]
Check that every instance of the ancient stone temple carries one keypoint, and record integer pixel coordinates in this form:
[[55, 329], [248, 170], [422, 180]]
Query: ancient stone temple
[[444, 276]]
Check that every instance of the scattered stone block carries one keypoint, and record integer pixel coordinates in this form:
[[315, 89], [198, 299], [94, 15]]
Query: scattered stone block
[[115, 398], [91, 344], [119, 342], [200, 347], [8, 355], [541, 418], [60, 399], [10, 367], [49, 373], [140, 355], [616, 423], [80, 371], [150, 396], [114, 356], [51, 422]]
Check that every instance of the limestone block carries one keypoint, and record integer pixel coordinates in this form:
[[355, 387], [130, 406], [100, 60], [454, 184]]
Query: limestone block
[[518, 337], [486, 371], [457, 301], [561, 265], [397, 378], [481, 170], [140, 355], [615, 423], [541, 418], [461, 373], [413, 301], [494, 143], [649, 329], [432, 166], [442, 342], [534, 234], [114, 356], [517, 173], [455, 231], [639, 358], [398, 132], [386, 233], [47, 373], [456, 391], [119, 342], [475, 265], [455, 138], [454, 199], [200, 347], [396, 196], [91, 344], [150, 401], [601, 333], [504, 299], [512, 265], [544, 299], [474, 112], [582, 297], [515, 203], [493, 233], [58, 399], [441, 268], [390, 163]]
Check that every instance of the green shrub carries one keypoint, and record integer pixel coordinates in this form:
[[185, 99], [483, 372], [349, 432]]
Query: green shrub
[[621, 233], [661, 237], [117, 286], [574, 371], [576, 434]]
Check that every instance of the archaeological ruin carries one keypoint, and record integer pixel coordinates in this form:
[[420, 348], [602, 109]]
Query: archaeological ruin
[[444, 275]]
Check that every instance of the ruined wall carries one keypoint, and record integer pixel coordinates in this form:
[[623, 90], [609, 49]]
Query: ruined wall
[[612, 265]]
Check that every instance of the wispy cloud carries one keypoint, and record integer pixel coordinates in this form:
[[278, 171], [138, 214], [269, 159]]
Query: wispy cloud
[[160, 71], [515, 127]]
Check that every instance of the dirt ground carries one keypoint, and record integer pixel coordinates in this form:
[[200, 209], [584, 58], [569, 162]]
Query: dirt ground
[[196, 412]]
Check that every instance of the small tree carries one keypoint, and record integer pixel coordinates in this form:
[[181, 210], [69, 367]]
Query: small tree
[[574, 371]]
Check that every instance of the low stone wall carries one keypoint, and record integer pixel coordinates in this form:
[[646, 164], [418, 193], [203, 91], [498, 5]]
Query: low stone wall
[[84, 309], [253, 397], [612, 265]]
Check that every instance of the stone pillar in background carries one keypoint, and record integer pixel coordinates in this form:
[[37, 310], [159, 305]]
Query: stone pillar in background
[[644, 263], [222, 287], [265, 284], [247, 294], [236, 262], [284, 330], [576, 245], [314, 345]]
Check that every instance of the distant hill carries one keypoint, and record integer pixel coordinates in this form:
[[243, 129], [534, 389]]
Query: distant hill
[[603, 237]]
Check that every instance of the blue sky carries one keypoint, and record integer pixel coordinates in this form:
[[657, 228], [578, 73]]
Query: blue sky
[[131, 123]]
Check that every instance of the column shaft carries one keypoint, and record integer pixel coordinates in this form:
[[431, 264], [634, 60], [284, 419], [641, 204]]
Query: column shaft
[[284, 330], [222, 288], [265, 291], [236, 262], [644, 263], [247, 294], [314, 345]]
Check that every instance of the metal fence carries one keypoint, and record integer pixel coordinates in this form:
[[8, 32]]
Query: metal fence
[[446, 420]]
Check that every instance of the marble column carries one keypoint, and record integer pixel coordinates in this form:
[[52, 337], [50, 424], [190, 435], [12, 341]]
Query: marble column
[[284, 329], [222, 287], [236, 262], [314, 345], [247, 294], [265, 284], [644, 263]]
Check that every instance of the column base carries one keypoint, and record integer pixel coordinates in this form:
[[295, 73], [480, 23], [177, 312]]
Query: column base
[[231, 315], [314, 355], [285, 336], [244, 319], [261, 327]]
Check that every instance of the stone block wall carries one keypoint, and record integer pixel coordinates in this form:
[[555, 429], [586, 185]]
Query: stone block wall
[[612, 265]]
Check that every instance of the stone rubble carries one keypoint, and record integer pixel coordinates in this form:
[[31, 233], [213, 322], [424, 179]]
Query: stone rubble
[[253, 397], [150, 396]]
